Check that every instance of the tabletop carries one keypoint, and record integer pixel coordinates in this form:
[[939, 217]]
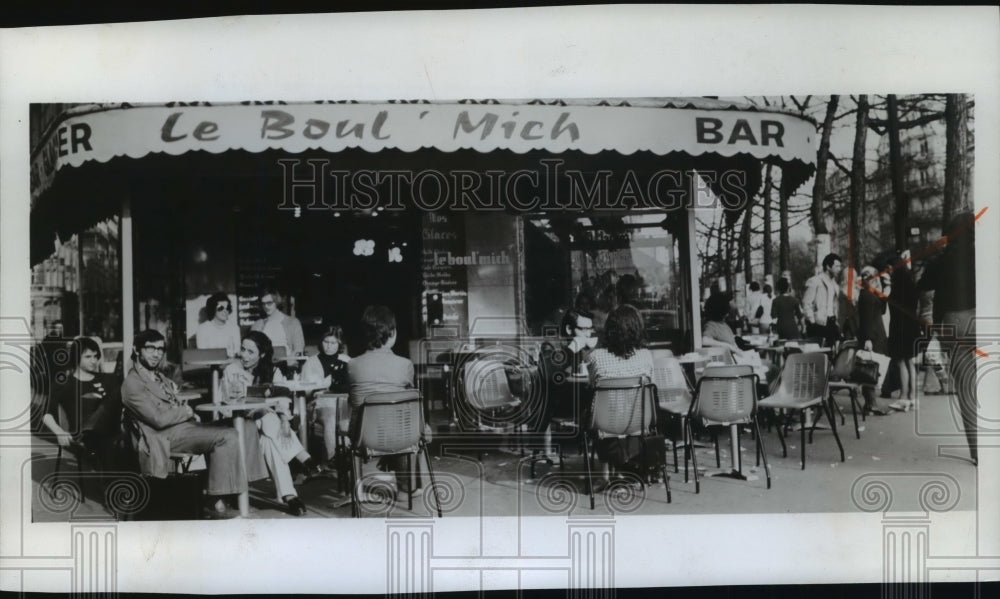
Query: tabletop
[[251, 403], [303, 386], [209, 362], [693, 358]]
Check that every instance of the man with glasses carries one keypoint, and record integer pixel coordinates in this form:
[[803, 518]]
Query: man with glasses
[[219, 330], [160, 424], [280, 328]]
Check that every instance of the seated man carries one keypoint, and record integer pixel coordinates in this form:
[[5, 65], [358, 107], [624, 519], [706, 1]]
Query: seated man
[[379, 370], [164, 424], [91, 403]]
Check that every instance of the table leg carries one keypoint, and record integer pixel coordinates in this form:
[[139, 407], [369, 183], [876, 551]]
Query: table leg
[[300, 409], [734, 448], [244, 496]]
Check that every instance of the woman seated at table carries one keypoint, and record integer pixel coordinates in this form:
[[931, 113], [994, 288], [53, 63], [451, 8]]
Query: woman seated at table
[[218, 331], [624, 355], [330, 367], [279, 445], [716, 332]]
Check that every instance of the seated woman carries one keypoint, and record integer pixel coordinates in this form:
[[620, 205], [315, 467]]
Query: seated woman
[[329, 366], [279, 445], [218, 331], [716, 333], [623, 355]]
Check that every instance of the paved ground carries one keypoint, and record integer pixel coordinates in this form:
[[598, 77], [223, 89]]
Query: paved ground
[[906, 449]]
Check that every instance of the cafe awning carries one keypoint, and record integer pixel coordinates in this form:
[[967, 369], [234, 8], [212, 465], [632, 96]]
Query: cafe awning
[[698, 133]]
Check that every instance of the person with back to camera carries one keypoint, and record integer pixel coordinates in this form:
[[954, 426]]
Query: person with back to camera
[[624, 355], [278, 444], [219, 329], [380, 370], [786, 312], [716, 333]]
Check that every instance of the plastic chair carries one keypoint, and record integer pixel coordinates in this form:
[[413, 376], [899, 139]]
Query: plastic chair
[[840, 374], [803, 384], [724, 396], [391, 425], [623, 407], [719, 353], [673, 396]]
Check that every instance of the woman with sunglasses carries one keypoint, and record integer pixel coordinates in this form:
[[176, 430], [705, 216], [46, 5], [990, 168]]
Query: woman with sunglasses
[[219, 330]]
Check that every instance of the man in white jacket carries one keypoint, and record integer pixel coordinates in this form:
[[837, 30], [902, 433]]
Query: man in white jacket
[[819, 302]]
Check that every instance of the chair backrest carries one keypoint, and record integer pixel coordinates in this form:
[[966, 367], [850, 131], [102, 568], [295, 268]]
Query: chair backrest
[[842, 362], [804, 376], [391, 422], [485, 384], [623, 406], [725, 395], [196, 354], [668, 377]]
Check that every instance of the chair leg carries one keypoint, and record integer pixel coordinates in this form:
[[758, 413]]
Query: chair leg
[[677, 465], [854, 413], [715, 441], [355, 483], [761, 452], [781, 437], [802, 427], [79, 469], [55, 473], [430, 474], [412, 481], [739, 454], [833, 427], [590, 480], [694, 465]]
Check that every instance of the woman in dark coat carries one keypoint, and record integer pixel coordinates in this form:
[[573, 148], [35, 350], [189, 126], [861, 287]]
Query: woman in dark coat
[[871, 331], [904, 329]]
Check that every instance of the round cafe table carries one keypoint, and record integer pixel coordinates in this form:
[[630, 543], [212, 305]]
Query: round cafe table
[[299, 391], [238, 412]]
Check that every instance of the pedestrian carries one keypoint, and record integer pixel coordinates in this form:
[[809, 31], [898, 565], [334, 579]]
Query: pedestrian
[[819, 302], [766, 301], [952, 276], [871, 331], [904, 330], [786, 312]]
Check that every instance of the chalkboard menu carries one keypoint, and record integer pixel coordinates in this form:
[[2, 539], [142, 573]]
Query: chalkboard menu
[[251, 275], [445, 294]]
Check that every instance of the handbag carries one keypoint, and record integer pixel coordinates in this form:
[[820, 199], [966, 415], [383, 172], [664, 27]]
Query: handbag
[[864, 370]]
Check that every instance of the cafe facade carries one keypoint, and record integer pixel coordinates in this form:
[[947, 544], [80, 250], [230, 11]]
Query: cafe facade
[[470, 219]]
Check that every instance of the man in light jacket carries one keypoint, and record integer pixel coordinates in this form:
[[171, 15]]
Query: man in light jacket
[[819, 302]]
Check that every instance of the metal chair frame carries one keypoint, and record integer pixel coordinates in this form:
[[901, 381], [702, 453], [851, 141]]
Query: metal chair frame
[[840, 374], [668, 379], [374, 440], [725, 413], [804, 384], [608, 423]]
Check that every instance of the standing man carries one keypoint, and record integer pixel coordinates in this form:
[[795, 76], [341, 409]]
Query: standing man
[[283, 330], [162, 424], [819, 302]]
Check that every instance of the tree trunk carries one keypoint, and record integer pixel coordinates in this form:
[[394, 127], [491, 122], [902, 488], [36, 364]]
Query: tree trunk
[[745, 242], [784, 247], [855, 243], [900, 199], [819, 182], [768, 269], [956, 184]]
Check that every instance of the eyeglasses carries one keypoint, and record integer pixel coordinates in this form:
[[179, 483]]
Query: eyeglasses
[[155, 348], [271, 303], [223, 309]]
